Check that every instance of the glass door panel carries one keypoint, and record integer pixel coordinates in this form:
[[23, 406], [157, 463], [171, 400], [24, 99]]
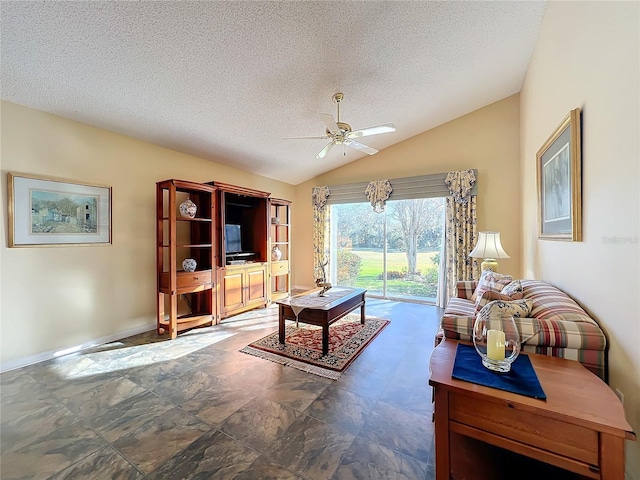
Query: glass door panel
[[414, 239], [394, 254], [357, 247]]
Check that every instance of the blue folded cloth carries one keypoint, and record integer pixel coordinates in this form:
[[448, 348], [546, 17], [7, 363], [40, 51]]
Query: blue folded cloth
[[522, 378]]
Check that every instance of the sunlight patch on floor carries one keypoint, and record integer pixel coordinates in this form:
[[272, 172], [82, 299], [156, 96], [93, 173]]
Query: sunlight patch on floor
[[117, 356]]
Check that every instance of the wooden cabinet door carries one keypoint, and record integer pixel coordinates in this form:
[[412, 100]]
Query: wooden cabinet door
[[232, 285], [256, 285]]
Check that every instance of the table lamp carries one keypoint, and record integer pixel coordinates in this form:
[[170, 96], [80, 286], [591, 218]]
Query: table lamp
[[489, 248]]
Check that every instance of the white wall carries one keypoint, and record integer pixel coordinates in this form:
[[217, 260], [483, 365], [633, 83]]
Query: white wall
[[53, 298], [587, 56]]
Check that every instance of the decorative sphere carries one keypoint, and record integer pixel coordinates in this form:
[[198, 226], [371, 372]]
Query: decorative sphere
[[276, 254], [188, 209], [189, 265]]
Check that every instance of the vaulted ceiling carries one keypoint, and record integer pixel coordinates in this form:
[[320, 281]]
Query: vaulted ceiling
[[227, 81]]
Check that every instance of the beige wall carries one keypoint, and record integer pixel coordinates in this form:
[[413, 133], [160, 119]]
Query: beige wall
[[54, 298], [487, 139], [587, 56]]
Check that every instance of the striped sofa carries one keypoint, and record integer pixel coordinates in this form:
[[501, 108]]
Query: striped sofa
[[557, 325]]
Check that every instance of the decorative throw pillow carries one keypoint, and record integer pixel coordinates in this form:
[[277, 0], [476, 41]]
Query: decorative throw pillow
[[514, 308], [490, 280], [514, 288], [490, 296]]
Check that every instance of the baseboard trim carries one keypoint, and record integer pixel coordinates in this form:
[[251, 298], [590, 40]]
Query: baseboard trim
[[44, 356]]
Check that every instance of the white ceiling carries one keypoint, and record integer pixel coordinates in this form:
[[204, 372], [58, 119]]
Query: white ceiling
[[226, 81]]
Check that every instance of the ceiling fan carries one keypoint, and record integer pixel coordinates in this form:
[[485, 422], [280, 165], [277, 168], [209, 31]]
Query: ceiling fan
[[340, 133]]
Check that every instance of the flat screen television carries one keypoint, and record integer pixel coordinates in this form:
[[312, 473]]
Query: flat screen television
[[233, 237]]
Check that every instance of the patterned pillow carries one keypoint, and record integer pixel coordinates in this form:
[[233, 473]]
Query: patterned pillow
[[490, 280], [490, 296], [514, 308], [514, 288]]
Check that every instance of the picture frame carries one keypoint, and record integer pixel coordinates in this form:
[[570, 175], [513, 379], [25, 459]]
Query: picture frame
[[46, 211], [559, 178]]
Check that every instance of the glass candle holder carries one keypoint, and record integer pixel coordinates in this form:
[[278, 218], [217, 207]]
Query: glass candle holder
[[497, 341]]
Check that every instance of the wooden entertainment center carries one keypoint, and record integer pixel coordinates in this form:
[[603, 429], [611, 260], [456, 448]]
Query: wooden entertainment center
[[231, 238]]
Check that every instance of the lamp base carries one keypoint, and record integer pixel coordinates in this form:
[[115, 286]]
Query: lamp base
[[489, 264]]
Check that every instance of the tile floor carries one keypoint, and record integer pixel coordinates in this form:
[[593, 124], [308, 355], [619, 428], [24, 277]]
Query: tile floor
[[197, 408]]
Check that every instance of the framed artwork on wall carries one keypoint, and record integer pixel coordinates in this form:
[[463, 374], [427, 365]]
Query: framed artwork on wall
[[560, 182], [52, 212]]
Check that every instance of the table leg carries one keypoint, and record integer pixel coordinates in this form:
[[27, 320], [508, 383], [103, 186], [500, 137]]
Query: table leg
[[362, 312], [281, 324], [325, 338], [443, 468], [611, 457]]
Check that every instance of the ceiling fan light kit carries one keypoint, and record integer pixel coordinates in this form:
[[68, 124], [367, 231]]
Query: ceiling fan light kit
[[341, 133]]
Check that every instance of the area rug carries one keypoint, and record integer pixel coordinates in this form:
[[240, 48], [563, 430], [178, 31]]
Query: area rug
[[303, 345]]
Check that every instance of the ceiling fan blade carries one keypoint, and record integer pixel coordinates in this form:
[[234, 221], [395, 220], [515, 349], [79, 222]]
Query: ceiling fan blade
[[324, 137], [325, 150], [365, 132], [360, 146], [331, 124]]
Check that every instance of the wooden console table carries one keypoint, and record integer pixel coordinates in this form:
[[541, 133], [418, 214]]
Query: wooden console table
[[485, 433]]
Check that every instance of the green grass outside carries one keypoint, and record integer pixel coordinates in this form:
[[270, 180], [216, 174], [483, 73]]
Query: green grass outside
[[371, 268]]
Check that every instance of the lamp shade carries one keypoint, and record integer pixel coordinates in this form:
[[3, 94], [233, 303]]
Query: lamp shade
[[488, 246]]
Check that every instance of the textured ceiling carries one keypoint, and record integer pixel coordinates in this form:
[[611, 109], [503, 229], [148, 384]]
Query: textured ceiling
[[226, 81]]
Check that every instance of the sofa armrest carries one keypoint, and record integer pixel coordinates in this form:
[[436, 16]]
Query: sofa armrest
[[465, 288]]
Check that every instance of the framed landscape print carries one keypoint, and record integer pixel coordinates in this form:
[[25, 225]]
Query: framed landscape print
[[559, 182], [46, 211]]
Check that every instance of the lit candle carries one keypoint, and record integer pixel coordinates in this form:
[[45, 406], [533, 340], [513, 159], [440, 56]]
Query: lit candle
[[495, 344]]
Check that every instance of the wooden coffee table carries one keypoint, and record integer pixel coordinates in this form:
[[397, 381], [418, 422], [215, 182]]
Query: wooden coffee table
[[580, 428], [322, 316]]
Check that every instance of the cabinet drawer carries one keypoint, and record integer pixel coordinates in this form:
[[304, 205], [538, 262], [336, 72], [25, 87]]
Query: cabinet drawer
[[549, 434], [279, 268], [187, 281], [193, 279]]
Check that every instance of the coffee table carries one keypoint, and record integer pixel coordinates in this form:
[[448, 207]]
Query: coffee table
[[580, 428], [324, 313]]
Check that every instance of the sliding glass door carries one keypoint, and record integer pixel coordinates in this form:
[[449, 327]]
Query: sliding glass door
[[357, 247], [393, 254]]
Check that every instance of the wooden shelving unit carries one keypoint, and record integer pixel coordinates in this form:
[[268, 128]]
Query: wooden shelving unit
[[231, 238], [244, 255], [280, 237], [185, 299]]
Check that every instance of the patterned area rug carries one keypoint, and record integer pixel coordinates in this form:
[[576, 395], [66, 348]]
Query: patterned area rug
[[303, 345]]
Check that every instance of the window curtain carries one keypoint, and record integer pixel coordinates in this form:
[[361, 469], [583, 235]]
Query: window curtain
[[321, 217], [377, 193], [460, 231]]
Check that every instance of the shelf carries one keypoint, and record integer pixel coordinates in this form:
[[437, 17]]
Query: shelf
[[279, 295], [280, 236], [184, 219], [188, 245], [185, 322], [241, 205], [178, 237]]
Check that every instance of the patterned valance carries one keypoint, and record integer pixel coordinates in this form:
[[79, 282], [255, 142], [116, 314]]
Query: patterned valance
[[378, 192], [319, 196], [460, 185]]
